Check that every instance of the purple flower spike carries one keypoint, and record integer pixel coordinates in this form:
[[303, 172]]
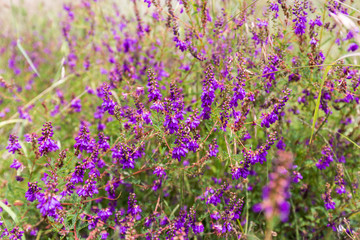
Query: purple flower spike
[[46, 144], [16, 164], [14, 145]]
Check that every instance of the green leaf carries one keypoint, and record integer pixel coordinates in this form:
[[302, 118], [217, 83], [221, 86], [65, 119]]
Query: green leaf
[[316, 113], [349, 139], [9, 211], [173, 212], [22, 50]]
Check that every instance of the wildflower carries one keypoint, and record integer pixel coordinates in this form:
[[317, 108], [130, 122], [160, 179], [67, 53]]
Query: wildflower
[[300, 17], [104, 214], [339, 180], [83, 140], [329, 203], [208, 94], [275, 194], [103, 144], [281, 145], [89, 189], [275, 8], [326, 159], [160, 172], [171, 123], [213, 148], [76, 105], [78, 175], [32, 191], [179, 151], [153, 87], [297, 176], [46, 144], [16, 164], [14, 145], [108, 104], [133, 208], [48, 204], [353, 47]]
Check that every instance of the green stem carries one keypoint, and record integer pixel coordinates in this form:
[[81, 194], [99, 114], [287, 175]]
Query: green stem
[[247, 209]]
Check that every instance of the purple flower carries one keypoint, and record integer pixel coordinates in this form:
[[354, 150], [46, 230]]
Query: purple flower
[[353, 47], [16, 164], [14, 145], [275, 8], [104, 235], [239, 94], [89, 189], [153, 87], [297, 176], [103, 144], [193, 121], [125, 155], [76, 105], [328, 202], [160, 172], [171, 123], [326, 159], [133, 208], [182, 45], [78, 175], [208, 94], [148, 2], [213, 149], [300, 18], [214, 196], [48, 205], [192, 145], [104, 214], [272, 117], [157, 106], [32, 191], [46, 144], [179, 151], [164, 221], [83, 140], [198, 228], [339, 180], [216, 216], [238, 172], [108, 104], [317, 21], [281, 145], [24, 114]]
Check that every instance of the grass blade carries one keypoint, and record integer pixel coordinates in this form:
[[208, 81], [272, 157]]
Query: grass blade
[[349, 140], [3, 123], [9, 211], [22, 50], [316, 113]]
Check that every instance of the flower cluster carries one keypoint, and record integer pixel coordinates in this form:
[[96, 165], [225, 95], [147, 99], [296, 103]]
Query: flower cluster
[[14, 145], [276, 193], [46, 144], [326, 159]]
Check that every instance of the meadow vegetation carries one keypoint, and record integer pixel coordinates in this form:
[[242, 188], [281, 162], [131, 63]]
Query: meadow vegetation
[[183, 119]]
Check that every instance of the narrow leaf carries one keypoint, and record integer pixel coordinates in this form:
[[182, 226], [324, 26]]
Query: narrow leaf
[[9, 211], [22, 50]]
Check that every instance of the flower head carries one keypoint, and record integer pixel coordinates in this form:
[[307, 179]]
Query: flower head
[[14, 145]]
